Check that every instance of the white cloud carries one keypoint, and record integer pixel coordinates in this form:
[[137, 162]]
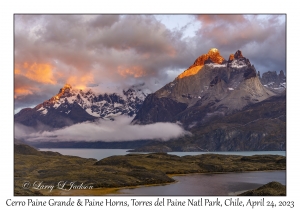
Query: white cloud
[[118, 130]]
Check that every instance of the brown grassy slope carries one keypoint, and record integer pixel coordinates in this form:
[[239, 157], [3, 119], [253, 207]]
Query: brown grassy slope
[[270, 189]]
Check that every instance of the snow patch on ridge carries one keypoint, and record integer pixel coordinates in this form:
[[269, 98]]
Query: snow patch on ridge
[[41, 109], [44, 112], [216, 65], [56, 105], [89, 111], [238, 64]]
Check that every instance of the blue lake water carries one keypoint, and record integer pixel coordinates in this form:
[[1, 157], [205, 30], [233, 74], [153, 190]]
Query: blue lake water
[[103, 153]]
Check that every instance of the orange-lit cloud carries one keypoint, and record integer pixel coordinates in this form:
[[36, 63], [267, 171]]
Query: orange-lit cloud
[[39, 72], [80, 82], [23, 90], [135, 71], [212, 19]]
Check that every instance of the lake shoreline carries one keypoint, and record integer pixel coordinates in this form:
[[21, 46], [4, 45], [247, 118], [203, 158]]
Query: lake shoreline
[[116, 190], [104, 153], [130, 171]]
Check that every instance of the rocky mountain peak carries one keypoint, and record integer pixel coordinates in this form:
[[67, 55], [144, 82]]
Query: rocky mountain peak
[[213, 56], [211, 85], [237, 60], [65, 91], [274, 81], [238, 54], [281, 75], [66, 88], [231, 57]]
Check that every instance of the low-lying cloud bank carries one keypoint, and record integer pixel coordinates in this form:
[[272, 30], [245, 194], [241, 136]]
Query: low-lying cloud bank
[[102, 130]]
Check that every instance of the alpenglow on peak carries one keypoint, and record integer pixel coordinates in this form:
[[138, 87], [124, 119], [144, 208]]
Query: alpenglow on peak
[[213, 50], [213, 55]]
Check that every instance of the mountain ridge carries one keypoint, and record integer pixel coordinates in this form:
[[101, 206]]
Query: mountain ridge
[[211, 100], [70, 106], [226, 85]]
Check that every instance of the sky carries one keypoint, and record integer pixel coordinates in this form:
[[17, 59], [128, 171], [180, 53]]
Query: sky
[[113, 52]]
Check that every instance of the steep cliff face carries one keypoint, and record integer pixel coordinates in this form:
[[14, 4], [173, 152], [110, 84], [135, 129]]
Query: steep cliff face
[[257, 127], [211, 85], [159, 110]]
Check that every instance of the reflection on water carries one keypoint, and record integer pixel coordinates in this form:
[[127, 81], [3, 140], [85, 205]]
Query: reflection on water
[[211, 184], [103, 153]]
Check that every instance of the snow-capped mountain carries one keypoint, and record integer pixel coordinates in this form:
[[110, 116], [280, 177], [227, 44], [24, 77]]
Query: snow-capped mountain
[[71, 106], [223, 103], [211, 86], [102, 105]]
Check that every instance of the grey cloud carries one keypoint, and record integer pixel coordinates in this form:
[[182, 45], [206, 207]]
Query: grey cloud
[[144, 34], [104, 20]]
